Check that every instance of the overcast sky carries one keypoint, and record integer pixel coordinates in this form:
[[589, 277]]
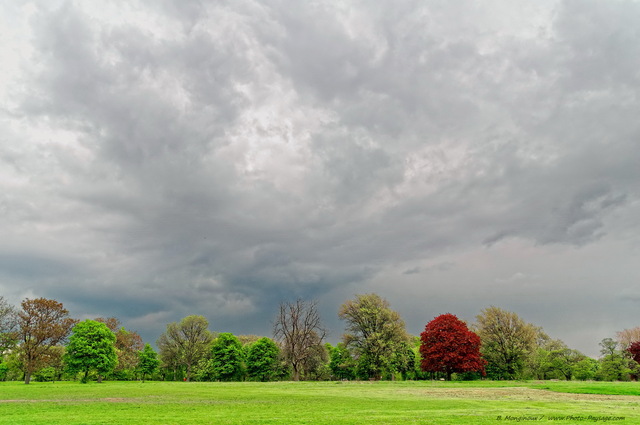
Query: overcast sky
[[166, 158]]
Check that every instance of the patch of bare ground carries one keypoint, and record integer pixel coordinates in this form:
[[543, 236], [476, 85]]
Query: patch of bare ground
[[519, 393]]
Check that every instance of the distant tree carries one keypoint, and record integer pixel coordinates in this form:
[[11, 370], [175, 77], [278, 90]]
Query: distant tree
[[586, 369], [507, 342], [627, 337], [552, 359], [298, 328], [609, 347], [247, 340], [374, 333], [315, 366], [91, 347], [613, 365], [634, 351], [147, 361], [403, 361], [262, 359], [186, 343], [448, 346], [227, 358], [42, 324], [342, 365], [128, 344], [8, 326], [112, 323]]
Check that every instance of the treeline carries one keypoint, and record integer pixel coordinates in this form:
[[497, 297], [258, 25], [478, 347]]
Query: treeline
[[40, 341]]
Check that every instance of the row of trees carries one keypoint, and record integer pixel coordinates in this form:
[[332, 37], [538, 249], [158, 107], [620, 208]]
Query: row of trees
[[42, 339]]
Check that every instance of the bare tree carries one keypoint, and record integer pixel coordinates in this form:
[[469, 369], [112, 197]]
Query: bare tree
[[42, 324], [627, 337], [299, 329], [8, 326]]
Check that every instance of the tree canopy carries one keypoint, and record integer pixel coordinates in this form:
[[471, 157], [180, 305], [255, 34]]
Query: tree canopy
[[448, 346], [262, 359], [186, 342], [227, 358], [91, 347], [42, 324], [147, 361], [374, 333], [507, 341]]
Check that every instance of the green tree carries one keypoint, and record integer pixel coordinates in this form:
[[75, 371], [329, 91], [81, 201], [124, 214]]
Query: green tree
[[185, 343], [147, 361], [613, 365], [507, 342], [342, 365], [586, 369], [42, 324], [91, 348], [262, 360], [227, 359], [374, 333]]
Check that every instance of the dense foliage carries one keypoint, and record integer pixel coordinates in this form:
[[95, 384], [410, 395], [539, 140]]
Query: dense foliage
[[374, 334], [448, 346], [91, 347], [42, 324]]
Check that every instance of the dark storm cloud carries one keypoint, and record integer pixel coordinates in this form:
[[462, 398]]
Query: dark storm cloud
[[216, 158]]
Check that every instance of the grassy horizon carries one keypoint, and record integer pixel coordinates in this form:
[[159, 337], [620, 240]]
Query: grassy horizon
[[421, 402]]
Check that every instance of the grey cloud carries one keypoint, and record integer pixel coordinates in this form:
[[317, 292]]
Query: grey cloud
[[245, 152]]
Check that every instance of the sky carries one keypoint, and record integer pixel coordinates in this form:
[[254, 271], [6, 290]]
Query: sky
[[176, 157]]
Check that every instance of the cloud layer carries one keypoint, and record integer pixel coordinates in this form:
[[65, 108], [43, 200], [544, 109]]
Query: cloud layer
[[177, 158]]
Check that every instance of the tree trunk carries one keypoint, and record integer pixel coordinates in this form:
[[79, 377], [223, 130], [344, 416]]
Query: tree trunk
[[27, 377]]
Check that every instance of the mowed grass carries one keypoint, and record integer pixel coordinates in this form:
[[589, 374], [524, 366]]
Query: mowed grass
[[480, 402]]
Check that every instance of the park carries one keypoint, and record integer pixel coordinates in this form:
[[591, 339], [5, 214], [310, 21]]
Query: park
[[334, 402]]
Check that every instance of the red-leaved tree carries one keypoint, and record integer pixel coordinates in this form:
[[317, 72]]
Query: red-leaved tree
[[634, 350], [448, 346]]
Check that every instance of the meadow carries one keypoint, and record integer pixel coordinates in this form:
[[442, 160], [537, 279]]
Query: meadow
[[426, 402]]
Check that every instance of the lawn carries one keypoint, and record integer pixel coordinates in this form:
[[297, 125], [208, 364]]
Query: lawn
[[480, 402]]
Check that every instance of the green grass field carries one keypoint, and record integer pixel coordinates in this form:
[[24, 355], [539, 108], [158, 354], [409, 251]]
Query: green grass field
[[480, 402]]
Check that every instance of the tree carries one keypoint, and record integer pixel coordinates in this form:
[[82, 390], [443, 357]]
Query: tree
[[42, 324], [448, 346], [186, 343], [227, 358], [507, 342], [8, 326], [298, 328], [128, 344], [262, 359], [342, 365], [586, 369], [147, 361], [627, 337], [634, 351], [315, 366], [613, 364], [91, 347], [374, 334]]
